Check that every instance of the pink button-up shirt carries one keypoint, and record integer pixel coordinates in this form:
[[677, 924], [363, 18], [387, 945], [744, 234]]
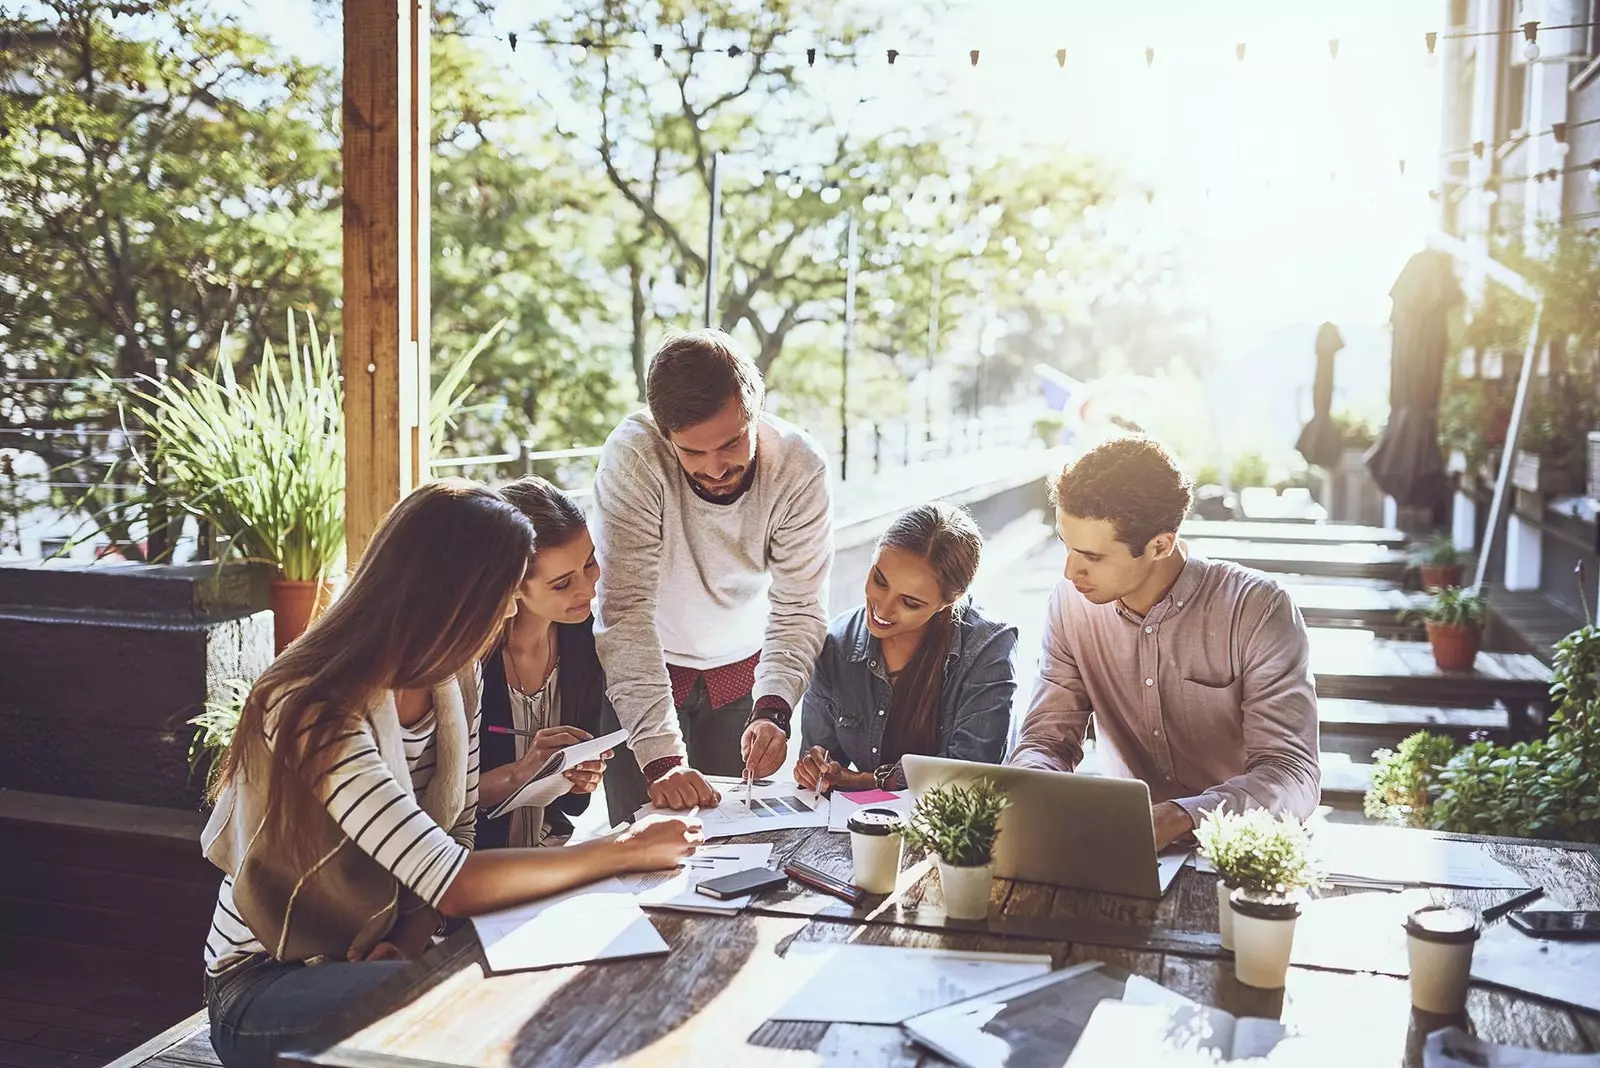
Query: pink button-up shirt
[[1209, 698]]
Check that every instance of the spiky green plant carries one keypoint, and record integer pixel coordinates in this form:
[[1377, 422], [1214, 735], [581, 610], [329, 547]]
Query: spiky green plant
[[261, 460], [959, 824], [215, 727]]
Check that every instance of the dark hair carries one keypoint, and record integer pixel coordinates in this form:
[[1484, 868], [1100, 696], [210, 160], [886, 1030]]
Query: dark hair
[[693, 375], [1133, 482], [948, 539], [556, 517], [417, 611]]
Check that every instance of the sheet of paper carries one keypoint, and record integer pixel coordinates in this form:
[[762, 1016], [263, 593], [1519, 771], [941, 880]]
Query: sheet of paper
[[1357, 932], [1396, 855], [600, 921], [777, 806], [1168, 864], [548, 783], [677, 890], [1141, 991], [843, 806], [887, 984], [1546, 967], [1454, 1048], [1122, 1034], [1031, 1024]]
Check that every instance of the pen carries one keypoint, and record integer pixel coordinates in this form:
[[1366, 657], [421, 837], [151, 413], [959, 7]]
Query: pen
[[1494, 912], [495, 729], [749, 788], [823, 883]]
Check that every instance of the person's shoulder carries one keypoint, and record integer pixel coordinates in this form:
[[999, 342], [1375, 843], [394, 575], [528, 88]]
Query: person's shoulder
[[794, 445], [846, 630], [635, 439], [1256, 594], [981, 625]]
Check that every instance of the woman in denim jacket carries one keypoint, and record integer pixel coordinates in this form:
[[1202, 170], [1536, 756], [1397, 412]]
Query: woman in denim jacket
[[916, 669]]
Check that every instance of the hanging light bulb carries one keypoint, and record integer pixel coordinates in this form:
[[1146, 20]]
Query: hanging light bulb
[[1558, 130], [1333, 48], [894, 54], [1238, 51], [1432, 38], [1150, 56], [1530, 32], [830, 194], [811, 57], [973, 56], [579, 51], [1594, 173], [512, 38], [1061, 57]]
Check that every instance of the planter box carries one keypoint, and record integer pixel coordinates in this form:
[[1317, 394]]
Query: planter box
[[1532, 473]]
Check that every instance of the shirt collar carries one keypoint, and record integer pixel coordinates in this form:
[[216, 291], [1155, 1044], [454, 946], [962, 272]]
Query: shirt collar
[[1183, 591]]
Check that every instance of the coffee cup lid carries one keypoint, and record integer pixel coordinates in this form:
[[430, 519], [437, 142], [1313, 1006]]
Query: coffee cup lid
[[876, 821], [1444, 923]]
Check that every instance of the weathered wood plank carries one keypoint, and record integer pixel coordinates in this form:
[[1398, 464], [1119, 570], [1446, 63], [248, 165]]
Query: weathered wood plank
[[1358, 665], [1328, 561], [1292, 533]]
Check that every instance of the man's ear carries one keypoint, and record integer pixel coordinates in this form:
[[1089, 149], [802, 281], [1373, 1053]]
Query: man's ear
[[1161, 546]]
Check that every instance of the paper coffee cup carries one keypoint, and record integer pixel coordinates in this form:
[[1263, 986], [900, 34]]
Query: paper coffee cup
[[1439, 944], [875, 849]]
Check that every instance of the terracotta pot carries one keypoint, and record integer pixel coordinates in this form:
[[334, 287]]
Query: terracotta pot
[[294, 605], [1454, 648], [1442, 576]]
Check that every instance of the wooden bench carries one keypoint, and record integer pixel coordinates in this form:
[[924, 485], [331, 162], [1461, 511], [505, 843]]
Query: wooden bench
[[1325, 561], [1344, 781], [1293, 533], [1372, 608], [1389, 723]]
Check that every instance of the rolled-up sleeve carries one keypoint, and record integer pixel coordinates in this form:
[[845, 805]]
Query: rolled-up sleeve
[[1058, 715], [1279, 719]]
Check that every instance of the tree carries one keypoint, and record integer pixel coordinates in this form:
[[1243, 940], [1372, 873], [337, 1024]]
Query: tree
[[162, 180]]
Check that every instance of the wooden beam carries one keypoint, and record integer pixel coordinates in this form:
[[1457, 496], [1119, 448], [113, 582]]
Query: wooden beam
[[386, 218]]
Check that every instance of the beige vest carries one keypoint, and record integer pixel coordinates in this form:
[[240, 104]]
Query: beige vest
[[344, 900]]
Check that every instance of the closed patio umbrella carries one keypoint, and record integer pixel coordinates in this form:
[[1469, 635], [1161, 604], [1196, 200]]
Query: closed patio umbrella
[[1406, 462], [1319, 440]]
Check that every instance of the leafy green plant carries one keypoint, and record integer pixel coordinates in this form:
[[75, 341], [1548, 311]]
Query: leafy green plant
[[215, 727], [1575, 675], [1258, 851], [263, 460], [1442, 552], [1249, 469], [958, 824], [450, 393], [1405, 779], [1454, 607], [1047, 427], [1355, 431]]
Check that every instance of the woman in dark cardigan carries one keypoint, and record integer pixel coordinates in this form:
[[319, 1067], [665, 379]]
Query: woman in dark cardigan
[[543, 677]]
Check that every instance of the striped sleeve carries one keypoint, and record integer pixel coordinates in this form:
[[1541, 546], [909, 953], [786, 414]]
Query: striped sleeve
[[465, 831], [384, 821]]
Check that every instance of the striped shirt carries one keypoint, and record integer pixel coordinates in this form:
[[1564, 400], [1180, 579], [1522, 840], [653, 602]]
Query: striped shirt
[[382, 818]]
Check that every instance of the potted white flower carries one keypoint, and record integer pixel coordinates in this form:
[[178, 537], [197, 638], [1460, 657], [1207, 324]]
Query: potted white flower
[[959, 825], [1265, 864]]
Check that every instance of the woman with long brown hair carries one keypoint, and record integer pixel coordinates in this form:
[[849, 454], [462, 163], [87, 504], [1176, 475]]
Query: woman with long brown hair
[[542, 683], [916, 669], [347, 801]]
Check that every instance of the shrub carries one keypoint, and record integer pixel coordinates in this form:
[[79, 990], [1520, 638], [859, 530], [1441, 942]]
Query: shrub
[[1405, 779], [1260, 852]]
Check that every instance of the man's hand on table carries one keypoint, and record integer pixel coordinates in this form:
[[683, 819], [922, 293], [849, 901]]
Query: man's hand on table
[[764, 747], [683, 788], [1171, 823]]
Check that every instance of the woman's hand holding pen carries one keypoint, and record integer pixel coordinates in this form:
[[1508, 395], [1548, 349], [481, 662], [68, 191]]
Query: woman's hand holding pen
[[817, 770]]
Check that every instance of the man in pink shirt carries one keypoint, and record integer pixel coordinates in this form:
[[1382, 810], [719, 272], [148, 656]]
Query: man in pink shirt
[[1195, 671]]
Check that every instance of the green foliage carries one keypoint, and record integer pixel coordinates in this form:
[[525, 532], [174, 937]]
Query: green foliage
[[1355, 431], [1473, 416], [1454, 607], [215, 727], [1575, 674], [1442, 552], [1047, 427], [958, 824], [1249, 469], [1208, 473], [1258, 851], [1560, 414], [1403, 779], [262, 461]]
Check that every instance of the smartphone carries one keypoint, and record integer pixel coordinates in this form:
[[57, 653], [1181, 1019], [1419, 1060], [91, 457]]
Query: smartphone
[[741, 883], [1552, 923]]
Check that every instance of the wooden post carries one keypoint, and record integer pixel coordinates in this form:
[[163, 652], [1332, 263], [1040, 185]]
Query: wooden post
[[385, 344]]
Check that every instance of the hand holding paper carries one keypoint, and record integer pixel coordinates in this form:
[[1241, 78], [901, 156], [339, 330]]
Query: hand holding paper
[[549, 781]]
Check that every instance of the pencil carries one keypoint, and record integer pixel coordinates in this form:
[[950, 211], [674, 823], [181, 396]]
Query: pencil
[[496, 729], [1494, 912]]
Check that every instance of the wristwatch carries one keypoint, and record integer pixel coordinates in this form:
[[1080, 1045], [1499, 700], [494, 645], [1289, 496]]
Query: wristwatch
[[884, 775]]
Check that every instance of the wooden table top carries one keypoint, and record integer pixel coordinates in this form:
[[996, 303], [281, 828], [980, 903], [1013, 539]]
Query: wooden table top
[[1358, 664], [1330, 561], [707, 1003], [1293, 533]]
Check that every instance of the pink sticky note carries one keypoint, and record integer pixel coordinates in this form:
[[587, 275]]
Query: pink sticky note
[[869, 797]]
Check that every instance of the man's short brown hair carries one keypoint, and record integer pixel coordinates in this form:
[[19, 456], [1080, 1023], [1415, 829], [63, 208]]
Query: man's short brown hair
[[693, 375], [1131, 482]]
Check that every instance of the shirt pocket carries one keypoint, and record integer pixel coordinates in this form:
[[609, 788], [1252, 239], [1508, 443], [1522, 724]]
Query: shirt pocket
[[1211, 713]]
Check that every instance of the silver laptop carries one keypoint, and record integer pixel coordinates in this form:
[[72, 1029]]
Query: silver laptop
[[1082, 831]]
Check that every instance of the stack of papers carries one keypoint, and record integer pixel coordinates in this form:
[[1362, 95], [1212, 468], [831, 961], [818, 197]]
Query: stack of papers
[[600, 921], [1391, 856], [677, 891], [777, 806], [549, 783], [887, 984], [844, 805]]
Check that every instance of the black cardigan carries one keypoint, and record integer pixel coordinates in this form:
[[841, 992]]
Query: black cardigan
[[580, 690]]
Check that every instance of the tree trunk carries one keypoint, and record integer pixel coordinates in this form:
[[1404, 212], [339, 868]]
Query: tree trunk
[[636, 291]]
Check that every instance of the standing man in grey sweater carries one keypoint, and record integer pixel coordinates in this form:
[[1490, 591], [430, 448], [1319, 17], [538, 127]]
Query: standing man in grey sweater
[[715, 539]]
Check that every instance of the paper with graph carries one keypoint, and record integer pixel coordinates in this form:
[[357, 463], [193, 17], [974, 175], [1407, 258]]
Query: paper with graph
[[888, 985], [778, 806]]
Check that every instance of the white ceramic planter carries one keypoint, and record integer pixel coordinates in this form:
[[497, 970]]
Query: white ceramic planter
[[1263, 936], [1224, 914], [966, 890]]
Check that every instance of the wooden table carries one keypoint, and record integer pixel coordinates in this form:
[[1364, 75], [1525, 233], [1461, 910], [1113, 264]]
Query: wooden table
[[1324, 561], [1366, 607], [708, 1002], [1359, 665], [1293, 533]]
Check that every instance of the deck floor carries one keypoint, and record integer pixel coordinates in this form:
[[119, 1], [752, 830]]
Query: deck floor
[[75, 1021]]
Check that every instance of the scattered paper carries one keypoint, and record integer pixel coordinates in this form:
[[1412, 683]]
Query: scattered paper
[[549, 782], [1357, 932], [592, 923], [1400, 856], [1141, 991], [778, 806], [1031, 1024], [1454, 1048], [1122, 1033], [887, 984], [843, 806], [1545, 967], [677, 890]]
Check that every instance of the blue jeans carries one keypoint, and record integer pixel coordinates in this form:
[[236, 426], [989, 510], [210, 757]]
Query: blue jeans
[[262, 1007], [711, 736]]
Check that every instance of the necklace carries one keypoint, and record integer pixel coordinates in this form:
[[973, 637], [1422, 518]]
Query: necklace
[[532, 704]]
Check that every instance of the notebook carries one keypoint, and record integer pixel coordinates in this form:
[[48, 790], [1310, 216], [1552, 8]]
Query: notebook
[[546, 785]]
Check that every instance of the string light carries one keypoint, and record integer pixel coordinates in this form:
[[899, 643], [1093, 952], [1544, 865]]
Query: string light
[[973, 55], [1238, 51], [811, 57], [734, 51], [894, 54], [1150, 56], [1594, 173], [1530, 30], [1477, 149], [512, 37], [1061, 57], [1333, 48], [1432, 38]]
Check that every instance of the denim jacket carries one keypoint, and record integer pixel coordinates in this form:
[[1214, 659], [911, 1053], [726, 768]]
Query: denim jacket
[[846, 707]]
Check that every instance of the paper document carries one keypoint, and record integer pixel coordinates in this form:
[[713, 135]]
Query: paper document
[[1031, 1024], [844, 805], [1545, 967], [1454, 1048], [677, 890], [1357, 932], [887, 984], [1124, 1033], [778, 806], [596, 922], [547, 783], [1400, 856]]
